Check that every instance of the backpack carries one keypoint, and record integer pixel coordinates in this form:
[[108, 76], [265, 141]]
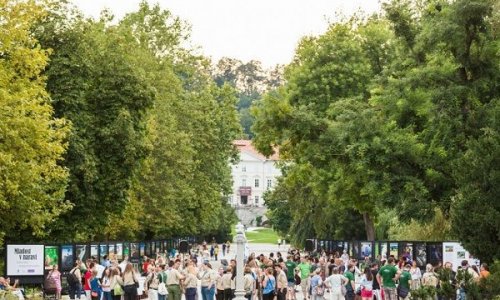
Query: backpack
[[72, 279]]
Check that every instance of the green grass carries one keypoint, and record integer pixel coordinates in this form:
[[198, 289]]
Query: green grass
[[264, 235]]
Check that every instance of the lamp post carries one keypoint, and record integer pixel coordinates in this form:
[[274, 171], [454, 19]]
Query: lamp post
[[240, 240]]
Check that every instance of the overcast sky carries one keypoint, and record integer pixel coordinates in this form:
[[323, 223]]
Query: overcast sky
[[266, 30]]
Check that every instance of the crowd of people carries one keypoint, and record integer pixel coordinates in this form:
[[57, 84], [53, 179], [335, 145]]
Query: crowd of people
[[273, 277]]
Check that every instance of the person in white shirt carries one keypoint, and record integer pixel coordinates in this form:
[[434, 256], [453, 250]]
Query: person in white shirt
[[335, 282]]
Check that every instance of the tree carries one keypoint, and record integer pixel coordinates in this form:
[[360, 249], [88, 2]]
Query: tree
[[32, 141], [325, 123], [97, 81]]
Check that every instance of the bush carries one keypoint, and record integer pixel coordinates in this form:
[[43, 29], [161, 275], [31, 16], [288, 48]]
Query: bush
[[423, 293], [489, 288]]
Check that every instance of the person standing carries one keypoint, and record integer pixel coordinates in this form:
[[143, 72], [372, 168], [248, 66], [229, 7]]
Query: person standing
[[416, 275], [268, 284], [281, 282], [208, 282], [317, 290], [153, 282], [174, 278], [106, 284], [75, 287], [335, 283], [387, 277], [130, 282], [350, 285], [367, 285], [162, 278], [191, 283], [116, 283], [290, 267], [404, 283], [376, 286], [226, 283], [248, 283], [95, 286], [305, 270], [55, 276]]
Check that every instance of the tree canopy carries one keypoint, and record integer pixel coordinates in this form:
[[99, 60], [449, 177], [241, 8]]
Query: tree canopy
[[393, 112]]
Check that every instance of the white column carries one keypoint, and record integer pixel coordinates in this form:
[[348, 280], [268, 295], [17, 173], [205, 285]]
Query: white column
[[240, 241]]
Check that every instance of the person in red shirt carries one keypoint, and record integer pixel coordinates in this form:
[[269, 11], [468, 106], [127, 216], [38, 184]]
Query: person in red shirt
[[145, 265], [87, 277]]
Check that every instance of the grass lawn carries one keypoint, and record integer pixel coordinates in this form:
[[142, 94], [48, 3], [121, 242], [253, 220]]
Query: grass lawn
[[264, 235]]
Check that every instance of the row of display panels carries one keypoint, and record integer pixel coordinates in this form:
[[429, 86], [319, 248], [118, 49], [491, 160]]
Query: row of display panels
[[31, 260], [421, 252]]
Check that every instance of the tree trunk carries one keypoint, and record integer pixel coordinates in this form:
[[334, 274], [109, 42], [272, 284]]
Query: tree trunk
[[369, 227]]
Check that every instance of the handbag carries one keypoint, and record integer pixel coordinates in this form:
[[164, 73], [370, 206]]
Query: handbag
[[162, 289], [117, 290], [343, 290], [402, 291], [94, 294]]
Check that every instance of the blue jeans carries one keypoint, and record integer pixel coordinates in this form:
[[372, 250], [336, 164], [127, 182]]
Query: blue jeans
[[462, 295], [107, 296], [207, 293], [162, 297]]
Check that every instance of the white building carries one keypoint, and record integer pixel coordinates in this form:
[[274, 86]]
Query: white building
[[252, 176]]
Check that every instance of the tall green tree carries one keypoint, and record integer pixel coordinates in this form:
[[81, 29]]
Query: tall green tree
[[97, 80], [32, 140]]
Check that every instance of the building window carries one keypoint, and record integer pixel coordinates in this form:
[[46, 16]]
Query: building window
[[243, 168], [244, 200], [257, 182], [256, 199], [269, 183], [243, 182]]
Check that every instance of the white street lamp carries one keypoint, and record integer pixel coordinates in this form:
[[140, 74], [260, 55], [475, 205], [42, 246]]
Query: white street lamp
[[240, 241]]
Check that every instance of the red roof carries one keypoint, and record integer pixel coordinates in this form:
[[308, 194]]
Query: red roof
[[246, 145]]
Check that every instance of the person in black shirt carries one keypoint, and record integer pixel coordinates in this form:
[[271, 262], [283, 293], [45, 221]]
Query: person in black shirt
[[376, 285]]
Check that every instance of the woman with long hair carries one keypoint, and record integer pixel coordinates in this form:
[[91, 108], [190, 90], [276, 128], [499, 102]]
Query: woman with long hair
[[367, 285], [106, 284], [116, 283], [130, 282], [268, 284]]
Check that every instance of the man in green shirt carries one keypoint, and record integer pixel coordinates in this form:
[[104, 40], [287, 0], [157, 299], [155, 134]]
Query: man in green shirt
[[350, 285], [290, 271], [404, 283], [387, 277], [305, 270]]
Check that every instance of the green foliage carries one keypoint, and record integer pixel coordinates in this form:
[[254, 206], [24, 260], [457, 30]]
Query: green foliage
[[32, 140], [397, 112], [424, 293], [490, 286]]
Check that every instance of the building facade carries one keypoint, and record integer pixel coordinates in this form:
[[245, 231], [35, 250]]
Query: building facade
[[253, 175]]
